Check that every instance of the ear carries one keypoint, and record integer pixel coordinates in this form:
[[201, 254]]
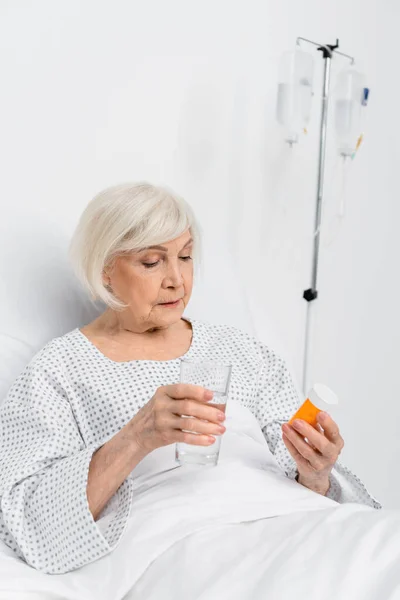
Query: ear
[[106, 278]]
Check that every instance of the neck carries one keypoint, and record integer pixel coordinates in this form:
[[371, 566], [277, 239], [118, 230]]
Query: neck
[[121, 322]]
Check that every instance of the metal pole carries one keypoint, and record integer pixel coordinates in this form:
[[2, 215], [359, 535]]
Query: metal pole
[[311, 294]]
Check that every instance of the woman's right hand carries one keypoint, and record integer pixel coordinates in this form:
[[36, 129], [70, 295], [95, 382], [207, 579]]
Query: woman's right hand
[[160, 421]]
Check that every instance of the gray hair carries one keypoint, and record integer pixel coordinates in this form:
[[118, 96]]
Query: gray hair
[[125, 218]]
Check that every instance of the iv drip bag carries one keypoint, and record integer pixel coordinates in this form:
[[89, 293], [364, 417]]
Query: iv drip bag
[[348, 99], [293, 107]]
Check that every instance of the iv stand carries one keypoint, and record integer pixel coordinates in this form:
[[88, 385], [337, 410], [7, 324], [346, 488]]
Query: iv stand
[[311, 294]]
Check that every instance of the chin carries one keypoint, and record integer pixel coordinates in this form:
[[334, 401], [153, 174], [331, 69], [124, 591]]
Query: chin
[[169, 315]]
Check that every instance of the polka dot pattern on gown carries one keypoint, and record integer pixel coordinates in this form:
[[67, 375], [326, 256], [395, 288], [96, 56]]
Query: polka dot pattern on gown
[[71, 399]]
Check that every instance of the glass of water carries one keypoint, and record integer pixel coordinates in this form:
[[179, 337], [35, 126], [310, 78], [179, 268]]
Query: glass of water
[[213, 376]]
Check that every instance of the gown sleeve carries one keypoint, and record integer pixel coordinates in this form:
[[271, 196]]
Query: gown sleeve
[[44, 464], [277, 401]]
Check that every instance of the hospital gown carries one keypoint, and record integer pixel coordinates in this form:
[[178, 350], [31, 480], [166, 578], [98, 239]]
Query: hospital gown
[[71, 399]]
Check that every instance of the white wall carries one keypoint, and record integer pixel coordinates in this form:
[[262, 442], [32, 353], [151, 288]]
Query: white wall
[[183, 93]]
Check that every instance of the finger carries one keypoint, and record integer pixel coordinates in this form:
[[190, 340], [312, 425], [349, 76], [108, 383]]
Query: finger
[[179, 391], [299, 459], [192, 408], [310, 444], [318, 441], [314, 457], [193, 439], [194, 425], [331, 429]]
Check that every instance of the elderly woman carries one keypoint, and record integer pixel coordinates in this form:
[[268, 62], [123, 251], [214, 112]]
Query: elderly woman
[[95, 401]]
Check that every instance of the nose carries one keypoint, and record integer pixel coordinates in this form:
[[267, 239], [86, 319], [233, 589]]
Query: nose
[[173, 277]]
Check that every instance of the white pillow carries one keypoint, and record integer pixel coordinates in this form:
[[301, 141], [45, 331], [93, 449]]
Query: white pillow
[[40, 298]]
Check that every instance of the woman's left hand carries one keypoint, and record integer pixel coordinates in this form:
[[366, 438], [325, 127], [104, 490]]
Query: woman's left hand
[[316, 459]]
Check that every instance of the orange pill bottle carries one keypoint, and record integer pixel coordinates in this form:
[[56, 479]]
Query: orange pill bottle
[[319, 396]]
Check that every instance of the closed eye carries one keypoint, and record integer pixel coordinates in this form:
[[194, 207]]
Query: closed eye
[[150, 265]]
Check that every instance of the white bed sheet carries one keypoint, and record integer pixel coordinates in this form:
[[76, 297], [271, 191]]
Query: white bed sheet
[[344, 554]]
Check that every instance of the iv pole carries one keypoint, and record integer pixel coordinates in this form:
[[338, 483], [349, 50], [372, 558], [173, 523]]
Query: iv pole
[[311, 294]]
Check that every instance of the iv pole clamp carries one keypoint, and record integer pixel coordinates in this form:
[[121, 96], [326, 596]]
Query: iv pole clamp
[[311, 294]]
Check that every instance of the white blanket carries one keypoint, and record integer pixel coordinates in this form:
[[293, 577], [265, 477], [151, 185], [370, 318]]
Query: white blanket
[[236, 531]]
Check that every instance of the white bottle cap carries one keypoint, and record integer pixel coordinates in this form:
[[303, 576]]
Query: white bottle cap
[[321, 394]]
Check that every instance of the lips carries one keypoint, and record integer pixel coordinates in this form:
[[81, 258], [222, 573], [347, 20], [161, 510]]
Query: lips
[[171, 302]]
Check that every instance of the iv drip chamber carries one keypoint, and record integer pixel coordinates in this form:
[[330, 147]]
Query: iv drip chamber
[[348, 102], [293, 109]]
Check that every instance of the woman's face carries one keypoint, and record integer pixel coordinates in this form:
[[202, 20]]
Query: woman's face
[[145, 280]]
